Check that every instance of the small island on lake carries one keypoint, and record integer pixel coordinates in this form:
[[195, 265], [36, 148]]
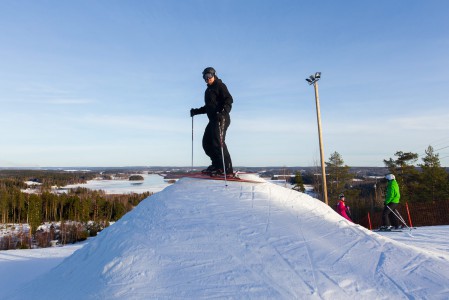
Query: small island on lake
[[136, 178]]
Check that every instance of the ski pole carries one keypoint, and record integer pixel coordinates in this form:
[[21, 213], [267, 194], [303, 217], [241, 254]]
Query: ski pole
[[221, 129], [192, 145], [398, 218]]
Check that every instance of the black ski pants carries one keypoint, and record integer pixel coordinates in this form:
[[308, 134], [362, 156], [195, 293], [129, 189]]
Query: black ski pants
[[212, 144], [388, 218]]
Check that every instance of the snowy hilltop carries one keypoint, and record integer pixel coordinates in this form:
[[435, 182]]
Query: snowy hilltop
[[199, 239]]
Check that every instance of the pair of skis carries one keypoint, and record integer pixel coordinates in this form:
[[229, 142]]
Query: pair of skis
[[387, 230], [235, 177], [399, 217]]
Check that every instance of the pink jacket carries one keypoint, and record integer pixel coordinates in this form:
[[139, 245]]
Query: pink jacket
[[342, 210]]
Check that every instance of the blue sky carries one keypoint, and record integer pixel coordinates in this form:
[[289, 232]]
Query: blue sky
[[111, 83]]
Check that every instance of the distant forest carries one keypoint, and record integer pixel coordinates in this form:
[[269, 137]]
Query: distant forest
[[78, 205]]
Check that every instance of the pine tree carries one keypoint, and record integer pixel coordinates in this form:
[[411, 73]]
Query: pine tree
[[34, 212], [434, 180], [4, 205], [299, 184], [338, 175]]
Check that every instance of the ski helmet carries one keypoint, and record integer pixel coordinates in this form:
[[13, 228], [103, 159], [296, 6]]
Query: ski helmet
[[209, 70], [341, 195], [390, 177]]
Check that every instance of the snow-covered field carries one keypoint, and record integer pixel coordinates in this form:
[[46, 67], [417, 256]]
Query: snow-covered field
[[198, 239]]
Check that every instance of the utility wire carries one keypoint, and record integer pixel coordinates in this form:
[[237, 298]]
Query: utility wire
[[435, 150], [436, 143]]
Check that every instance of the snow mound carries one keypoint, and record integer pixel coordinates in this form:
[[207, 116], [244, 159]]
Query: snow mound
[[199, 239], [250, 177]]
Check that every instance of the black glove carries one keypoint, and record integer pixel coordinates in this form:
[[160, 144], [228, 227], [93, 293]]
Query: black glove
[[193, 112]]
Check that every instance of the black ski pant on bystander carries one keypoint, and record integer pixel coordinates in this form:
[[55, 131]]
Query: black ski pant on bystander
[[388, 217]]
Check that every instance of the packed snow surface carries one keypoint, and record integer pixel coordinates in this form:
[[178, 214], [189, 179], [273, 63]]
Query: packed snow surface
[[199, 239]]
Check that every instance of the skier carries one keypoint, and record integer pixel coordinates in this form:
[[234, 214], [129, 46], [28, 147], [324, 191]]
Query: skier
[[392, 197], [342, 208], [218, 104]]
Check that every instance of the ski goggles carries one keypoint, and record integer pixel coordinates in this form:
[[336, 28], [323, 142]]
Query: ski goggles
[[208, 76]]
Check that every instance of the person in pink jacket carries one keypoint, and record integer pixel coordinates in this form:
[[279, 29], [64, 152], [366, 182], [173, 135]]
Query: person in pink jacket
[[342, 209]]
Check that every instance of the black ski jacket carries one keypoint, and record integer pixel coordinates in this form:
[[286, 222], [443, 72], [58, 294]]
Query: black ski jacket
[[217, 100]]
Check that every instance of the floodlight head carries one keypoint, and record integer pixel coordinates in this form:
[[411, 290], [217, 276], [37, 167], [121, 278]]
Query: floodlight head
[[309, 81], [318, 75], [312, 77]]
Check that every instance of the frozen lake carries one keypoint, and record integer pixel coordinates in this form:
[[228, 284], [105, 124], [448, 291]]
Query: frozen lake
[[152, 183]]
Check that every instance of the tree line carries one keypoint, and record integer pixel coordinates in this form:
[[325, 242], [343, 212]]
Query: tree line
[[46, 178], [79, 204], [70, 209], [425, 181]]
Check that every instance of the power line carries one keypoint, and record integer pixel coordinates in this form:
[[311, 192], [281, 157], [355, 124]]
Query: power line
[[437, 143], [423, 154], [441, 148]]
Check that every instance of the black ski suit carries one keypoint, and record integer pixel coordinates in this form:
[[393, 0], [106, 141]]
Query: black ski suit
[[218, 104]]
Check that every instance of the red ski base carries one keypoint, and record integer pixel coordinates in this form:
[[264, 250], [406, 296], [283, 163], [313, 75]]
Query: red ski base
[[232, 177]]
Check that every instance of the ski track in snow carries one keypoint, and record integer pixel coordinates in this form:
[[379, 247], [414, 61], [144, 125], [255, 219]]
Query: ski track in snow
[[199, 239]]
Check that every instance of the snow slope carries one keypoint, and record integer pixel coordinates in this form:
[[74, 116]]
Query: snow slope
[[198, 239], [20, 266]]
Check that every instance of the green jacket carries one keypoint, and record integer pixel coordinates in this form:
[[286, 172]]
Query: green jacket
[[393, 194]]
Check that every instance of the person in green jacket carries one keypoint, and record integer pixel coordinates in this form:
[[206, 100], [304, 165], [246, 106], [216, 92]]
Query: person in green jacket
[[391, 203]]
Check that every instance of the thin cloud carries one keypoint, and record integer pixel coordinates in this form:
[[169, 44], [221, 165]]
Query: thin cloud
[[45, 94], [428, 122], [271, 125], [34, 89], [142, 122], [68, 101]]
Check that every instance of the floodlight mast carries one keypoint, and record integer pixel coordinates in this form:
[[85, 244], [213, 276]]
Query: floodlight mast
[[313, 79]]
